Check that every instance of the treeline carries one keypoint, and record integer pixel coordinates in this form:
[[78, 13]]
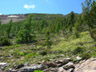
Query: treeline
[[25, 31]]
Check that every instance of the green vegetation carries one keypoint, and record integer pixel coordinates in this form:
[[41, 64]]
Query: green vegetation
[[4, 41]]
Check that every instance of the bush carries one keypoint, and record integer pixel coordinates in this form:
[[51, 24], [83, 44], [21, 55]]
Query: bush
[[93, 33], [85, 55], [78, 50], [4, 41], [29, 55], [72, 37], [21, 53], [43, 52], [24, 36]]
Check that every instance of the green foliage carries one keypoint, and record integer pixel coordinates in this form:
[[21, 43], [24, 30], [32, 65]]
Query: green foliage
[[43, 24], [21, 53], [48, 42], [29, 55], [24, 36], [38, 71], [85, 55], [9, 28], [17, 45], [16, 50], [4, 41], [58, 26], [27, 23], [89, 15], [70, 21], [78, 50], [10, 47]]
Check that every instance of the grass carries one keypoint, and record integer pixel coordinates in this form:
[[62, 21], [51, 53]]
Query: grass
[[72, 44]]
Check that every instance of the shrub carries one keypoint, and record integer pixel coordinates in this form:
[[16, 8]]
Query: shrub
[[24, 36], [78, 50], [21, 53], [29, 55], [85, 55], [72, 37], [4, 41], [43, 53], [17, 45], [16, 50]]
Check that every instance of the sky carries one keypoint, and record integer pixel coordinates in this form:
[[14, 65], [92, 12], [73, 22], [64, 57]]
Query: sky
[[40, 6]]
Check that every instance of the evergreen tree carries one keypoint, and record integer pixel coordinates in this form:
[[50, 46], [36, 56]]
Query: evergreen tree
[[58, 26], [43, 25], [89, 13], [78, 26], [24, 35], [48, 42], [8, 30], [71, 21]]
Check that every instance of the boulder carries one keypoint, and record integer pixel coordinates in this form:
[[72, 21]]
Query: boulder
[[63, 62], [51, 70], [33, 67], [10, 70], [69, 66], [61, 69], [78, 58], [86, 66], [18, 66], [70, 70], [51, 64], [3, 65]]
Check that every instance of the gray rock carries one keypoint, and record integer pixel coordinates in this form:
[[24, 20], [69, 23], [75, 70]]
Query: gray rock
[[3, 65], [71, 70], [51, 64], [18, 66], [51, 70], [63, 62], [10, 70], [78, 58], [61, 69], [33, 67], [69, 66]]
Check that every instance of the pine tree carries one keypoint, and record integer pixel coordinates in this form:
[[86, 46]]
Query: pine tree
[[48, 42], [70, 24], [8, 30], [24, 35], [89, 16]]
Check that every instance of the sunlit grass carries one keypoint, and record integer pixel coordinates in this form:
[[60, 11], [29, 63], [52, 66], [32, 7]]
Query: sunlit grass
[[71, 44]]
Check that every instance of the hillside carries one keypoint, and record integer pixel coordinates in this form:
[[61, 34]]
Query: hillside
[[6, 18], [49, 42], [19, 17]]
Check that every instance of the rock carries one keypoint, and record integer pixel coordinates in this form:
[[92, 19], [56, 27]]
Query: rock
[[26, 64], [69, 66], [10, 70], [62, 55], [3, 65], [0, 48], [78, 58], [70, 70], [51, 70], [86, 66], [61, 69], [51, 64], [33, 67], [63, 62], [18, 66]]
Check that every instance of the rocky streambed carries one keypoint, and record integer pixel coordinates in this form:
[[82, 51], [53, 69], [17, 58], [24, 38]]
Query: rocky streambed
[[60, 65]]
